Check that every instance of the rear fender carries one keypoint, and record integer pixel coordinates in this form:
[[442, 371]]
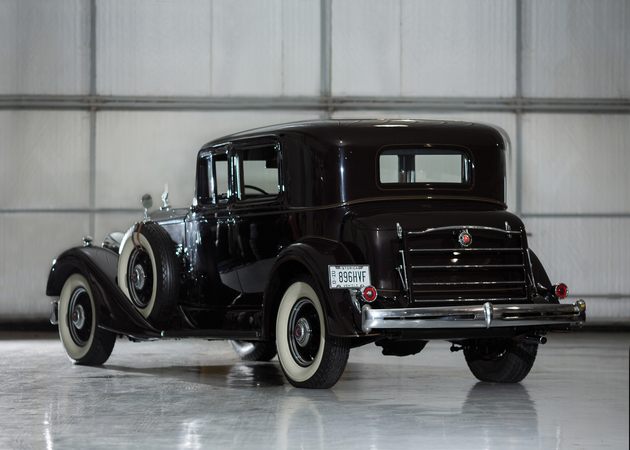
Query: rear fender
[[100, 266], [543, 287], [312, 256]]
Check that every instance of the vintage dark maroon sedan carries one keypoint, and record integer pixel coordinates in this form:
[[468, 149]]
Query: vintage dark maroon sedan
[[307, 239]]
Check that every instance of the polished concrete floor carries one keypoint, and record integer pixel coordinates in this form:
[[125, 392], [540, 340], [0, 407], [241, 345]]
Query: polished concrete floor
[[194, 394]]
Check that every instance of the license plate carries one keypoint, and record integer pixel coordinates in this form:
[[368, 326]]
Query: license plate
[[343, 277]]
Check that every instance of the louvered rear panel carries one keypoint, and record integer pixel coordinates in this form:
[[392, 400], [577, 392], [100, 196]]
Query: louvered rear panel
[[491, 269]]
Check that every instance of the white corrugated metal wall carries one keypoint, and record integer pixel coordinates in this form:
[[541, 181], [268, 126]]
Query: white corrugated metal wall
[[102, 101]]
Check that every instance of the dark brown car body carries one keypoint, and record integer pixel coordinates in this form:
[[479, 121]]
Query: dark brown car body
[[238, 250]]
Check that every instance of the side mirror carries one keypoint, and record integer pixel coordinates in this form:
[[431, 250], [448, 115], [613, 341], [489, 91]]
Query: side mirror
[[147, 202]]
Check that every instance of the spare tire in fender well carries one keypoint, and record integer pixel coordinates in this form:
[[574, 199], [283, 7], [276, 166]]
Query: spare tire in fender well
[[148, 272]]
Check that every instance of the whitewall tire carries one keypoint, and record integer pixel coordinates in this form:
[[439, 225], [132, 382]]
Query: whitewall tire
[[308, 358], [148, 275], [83, 341]]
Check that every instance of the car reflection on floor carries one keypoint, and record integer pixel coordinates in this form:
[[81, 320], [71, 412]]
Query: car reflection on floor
[[195, 394]]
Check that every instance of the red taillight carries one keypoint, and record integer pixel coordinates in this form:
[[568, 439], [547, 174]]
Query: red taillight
[[561, 290], [369, 294]]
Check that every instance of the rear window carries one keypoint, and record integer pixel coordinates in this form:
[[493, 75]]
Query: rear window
[[424, 165]]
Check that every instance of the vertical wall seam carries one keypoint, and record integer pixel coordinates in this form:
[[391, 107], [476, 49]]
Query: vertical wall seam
[[92, 47], [325, 54], [519, 49], [92, 138], [210, 90], [92, 188], [282, 36], [519, 163], [519, 110], [400, 47]]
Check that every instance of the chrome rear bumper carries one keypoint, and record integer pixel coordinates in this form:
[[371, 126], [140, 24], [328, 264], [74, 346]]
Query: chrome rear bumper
[[477, 316]]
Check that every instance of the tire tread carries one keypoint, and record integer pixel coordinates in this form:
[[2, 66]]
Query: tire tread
[[334, 362], [102, 347], [166, 265], [512, 367]]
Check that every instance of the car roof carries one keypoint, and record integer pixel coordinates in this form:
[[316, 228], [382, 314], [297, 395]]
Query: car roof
[[361, 132], [332, 162]]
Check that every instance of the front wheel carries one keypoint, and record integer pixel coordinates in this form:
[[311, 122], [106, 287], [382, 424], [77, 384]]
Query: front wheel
[[83, 341], [308, 358], [500, 360]]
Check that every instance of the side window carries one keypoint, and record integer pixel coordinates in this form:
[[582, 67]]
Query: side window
[[259, 169], [219, 181]]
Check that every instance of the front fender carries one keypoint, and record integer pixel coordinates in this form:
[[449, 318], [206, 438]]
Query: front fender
[[100, 266], [313, 256]]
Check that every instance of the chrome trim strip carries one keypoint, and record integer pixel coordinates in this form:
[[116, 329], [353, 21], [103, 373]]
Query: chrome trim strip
[[403, 273], [461, 227], [478, 316], [491, 300], [471, 283], [473, 266], [451, 250]]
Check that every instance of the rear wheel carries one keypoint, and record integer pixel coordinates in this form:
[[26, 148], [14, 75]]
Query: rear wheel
[[83, 341], [254, 351], [500, 360], [308, 358]]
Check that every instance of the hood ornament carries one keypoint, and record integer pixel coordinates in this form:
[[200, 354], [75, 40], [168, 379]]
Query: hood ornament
[[166, 206]]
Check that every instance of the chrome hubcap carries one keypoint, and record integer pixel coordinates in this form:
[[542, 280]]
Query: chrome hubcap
[[78, 317], [302, 332], [138, 277]]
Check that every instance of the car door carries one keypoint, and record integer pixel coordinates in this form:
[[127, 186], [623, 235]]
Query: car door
[[209, 234], [257, 218]]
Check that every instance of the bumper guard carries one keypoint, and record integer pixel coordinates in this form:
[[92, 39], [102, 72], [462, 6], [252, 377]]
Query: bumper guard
[[477, 316]]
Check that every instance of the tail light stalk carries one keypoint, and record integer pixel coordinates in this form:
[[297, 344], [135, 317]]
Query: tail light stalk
[[366, 294]]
